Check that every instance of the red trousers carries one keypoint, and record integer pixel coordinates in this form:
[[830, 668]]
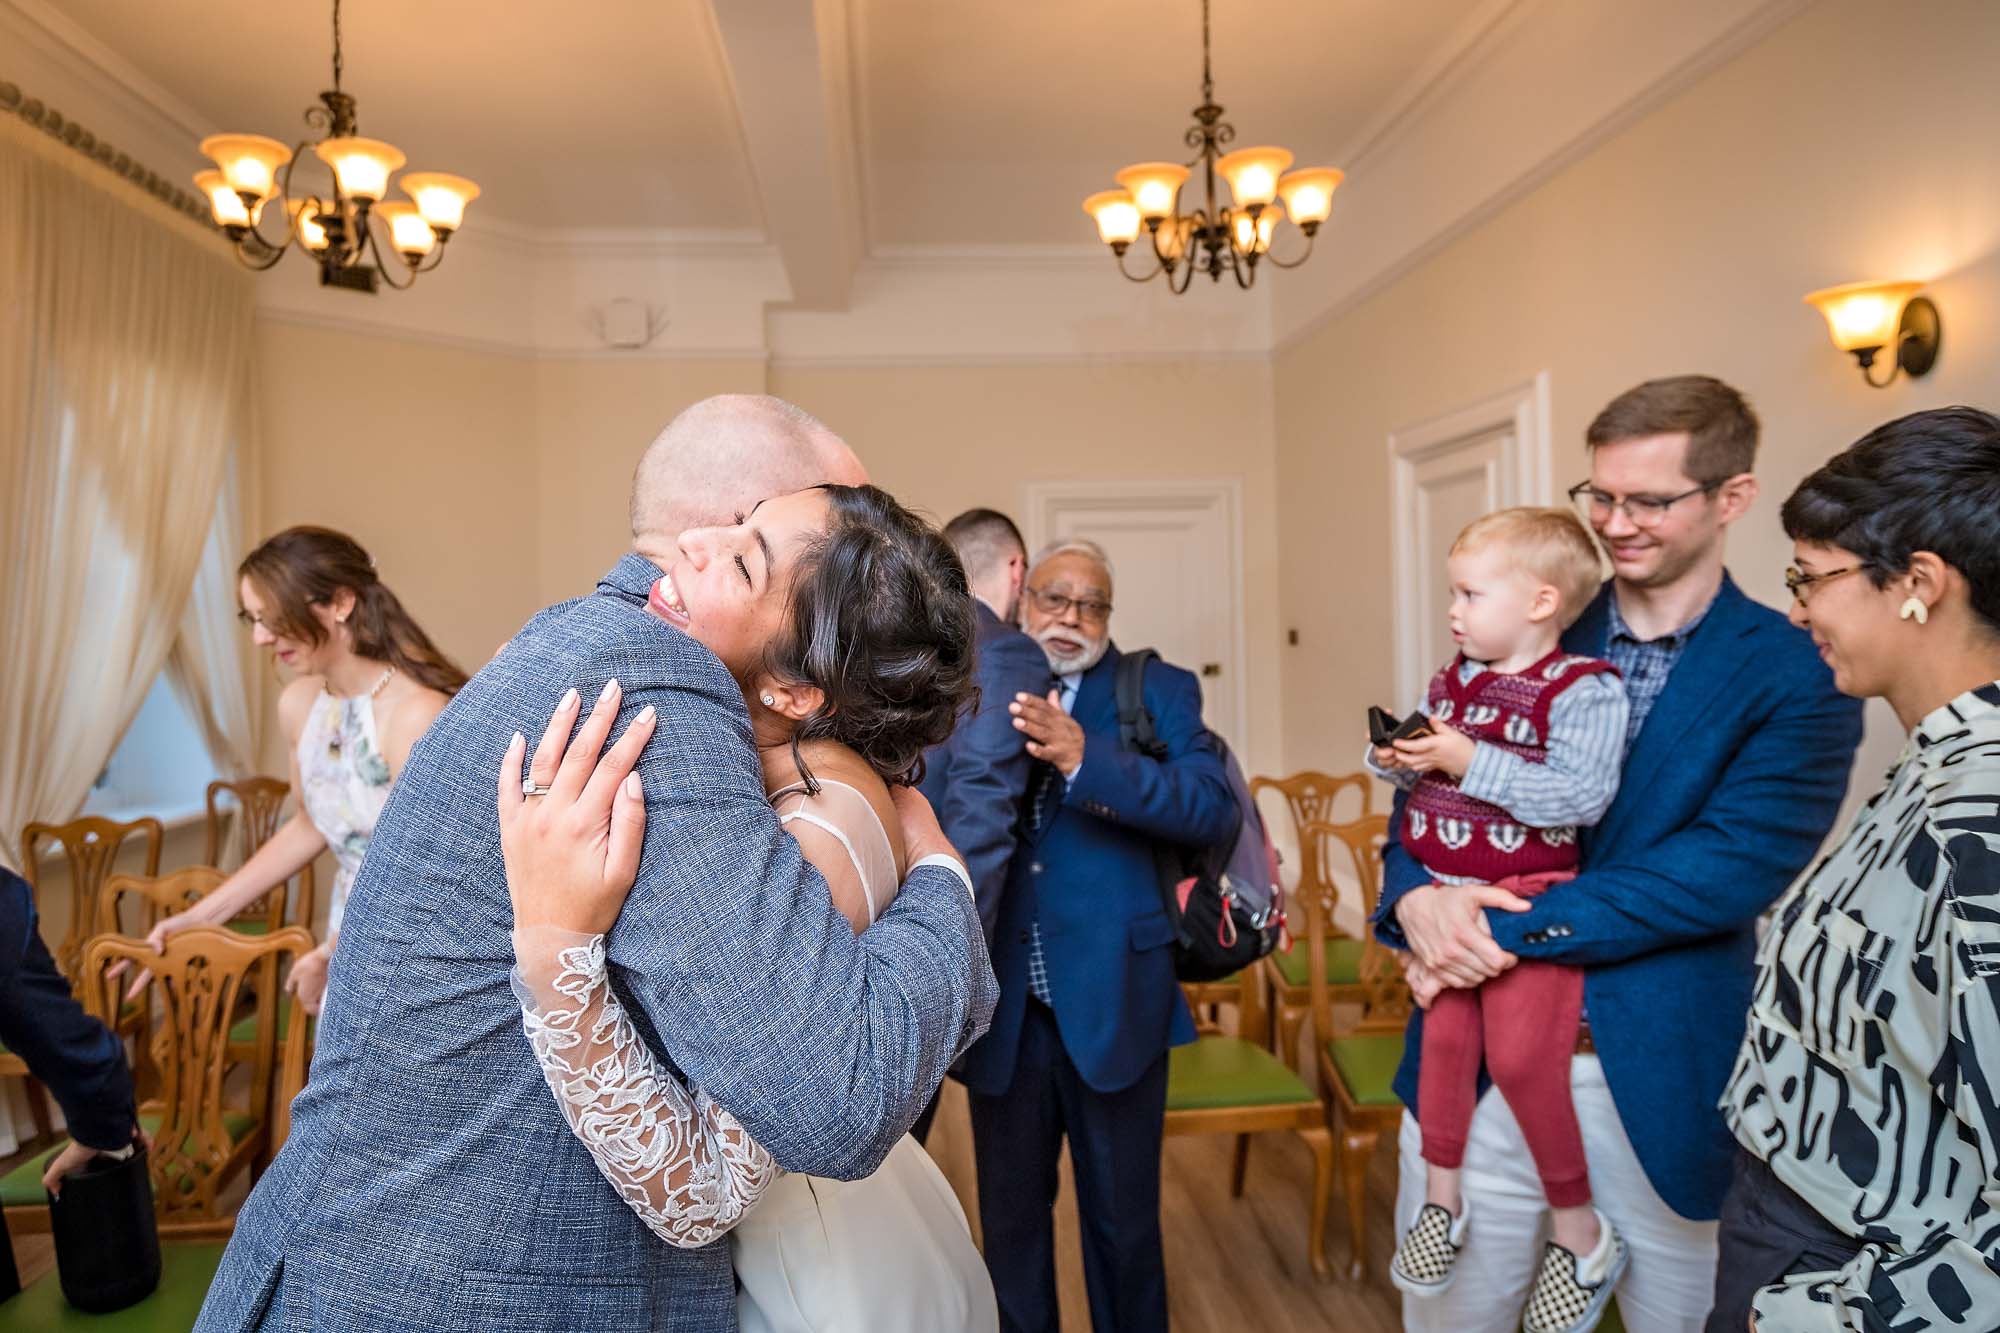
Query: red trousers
[[1523, 1025]]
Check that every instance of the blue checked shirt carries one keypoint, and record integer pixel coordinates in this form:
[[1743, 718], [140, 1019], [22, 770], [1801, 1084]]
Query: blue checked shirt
[[1038, 963], [1645, 663]]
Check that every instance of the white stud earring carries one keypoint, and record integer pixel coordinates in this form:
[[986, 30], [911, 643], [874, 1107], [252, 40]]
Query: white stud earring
[[769, 702], [1914, 609]]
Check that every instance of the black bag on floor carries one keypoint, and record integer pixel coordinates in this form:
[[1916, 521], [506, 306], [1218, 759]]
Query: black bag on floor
[[107, 1246]]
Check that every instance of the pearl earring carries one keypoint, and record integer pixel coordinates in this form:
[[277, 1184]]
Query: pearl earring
[[769, 702], [1914, 609]]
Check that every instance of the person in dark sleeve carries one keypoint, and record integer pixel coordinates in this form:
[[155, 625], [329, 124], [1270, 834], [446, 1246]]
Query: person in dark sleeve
[[75, 1056], [978, 779]]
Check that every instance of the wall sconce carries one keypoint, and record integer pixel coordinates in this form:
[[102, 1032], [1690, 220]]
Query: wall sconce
[[1865, 317]]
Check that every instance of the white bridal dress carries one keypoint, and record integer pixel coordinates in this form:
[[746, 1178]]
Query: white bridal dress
[[888, 1254]]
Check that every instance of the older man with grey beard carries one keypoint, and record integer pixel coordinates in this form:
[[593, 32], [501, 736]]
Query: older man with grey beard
[[1088, 1000]]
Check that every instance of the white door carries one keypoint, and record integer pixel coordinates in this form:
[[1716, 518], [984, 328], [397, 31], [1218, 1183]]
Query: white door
[[1444, 474], [1177, 587]]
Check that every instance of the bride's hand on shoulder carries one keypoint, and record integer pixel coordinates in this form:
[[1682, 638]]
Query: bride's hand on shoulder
[[573, 852]]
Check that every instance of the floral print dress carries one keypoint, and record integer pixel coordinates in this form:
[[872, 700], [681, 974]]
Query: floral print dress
[[344, 782]]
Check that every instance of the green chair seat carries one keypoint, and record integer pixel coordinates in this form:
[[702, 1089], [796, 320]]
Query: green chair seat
[[185, 1274], [1343, 963], [245, 1028], [23, 1185], [251, 926], [1218, 1072], [1367, 1065]]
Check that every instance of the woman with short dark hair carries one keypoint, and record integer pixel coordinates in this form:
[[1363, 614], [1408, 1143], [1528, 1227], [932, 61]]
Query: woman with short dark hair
[[1866, 1096]]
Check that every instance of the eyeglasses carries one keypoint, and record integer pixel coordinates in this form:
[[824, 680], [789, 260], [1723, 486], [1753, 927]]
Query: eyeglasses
[[1088, 610], [250, 622], [1797, 581], [1645, 511]]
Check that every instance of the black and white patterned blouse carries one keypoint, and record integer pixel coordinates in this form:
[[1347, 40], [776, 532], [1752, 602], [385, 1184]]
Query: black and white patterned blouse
[[1869, 1077]]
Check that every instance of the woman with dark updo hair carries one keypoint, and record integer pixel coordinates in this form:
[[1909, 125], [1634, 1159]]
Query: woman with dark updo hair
[[847, 623], [366, 684], [1866, 1096]]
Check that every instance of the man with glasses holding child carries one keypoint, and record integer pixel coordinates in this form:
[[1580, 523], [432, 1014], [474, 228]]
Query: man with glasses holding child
[[1737, 753]]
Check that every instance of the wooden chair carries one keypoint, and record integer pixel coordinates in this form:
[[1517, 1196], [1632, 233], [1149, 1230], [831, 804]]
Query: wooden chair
[[1312, 796], [1325, 848], [259, 802], [168, 894], [1234, 1085], [1357, 1058], [90, 845], [259, 808], [200, 1143]]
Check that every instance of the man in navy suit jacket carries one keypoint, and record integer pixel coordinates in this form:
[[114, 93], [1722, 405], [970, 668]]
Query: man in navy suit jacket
[[1736, 763], [978, 779], [1088, 999], [76, 1056]]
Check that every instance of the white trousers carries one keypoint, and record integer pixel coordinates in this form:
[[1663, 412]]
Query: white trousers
[[1671, 1282]]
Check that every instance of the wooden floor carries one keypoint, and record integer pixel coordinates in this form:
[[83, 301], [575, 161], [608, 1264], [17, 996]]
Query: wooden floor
[[1232, 1264]]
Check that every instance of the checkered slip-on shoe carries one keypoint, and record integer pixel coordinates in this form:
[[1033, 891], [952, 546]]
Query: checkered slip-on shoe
[[1424, 1261], [1570, 1293]]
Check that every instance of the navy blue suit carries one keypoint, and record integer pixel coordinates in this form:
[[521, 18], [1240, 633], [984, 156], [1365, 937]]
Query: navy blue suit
[[1091, 1064], [978, 779], [76, 1057], [1728, 790]]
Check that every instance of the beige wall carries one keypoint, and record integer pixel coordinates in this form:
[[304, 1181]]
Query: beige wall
[[1859, 140], [944, 439]]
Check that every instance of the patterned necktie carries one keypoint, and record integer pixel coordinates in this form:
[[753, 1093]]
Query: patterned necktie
[[1049, 786]]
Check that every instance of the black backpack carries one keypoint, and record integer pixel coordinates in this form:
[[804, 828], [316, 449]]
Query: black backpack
[[1224, 901]]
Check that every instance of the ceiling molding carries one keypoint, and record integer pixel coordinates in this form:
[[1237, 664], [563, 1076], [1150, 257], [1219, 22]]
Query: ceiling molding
[[123, 75], [1005, 360], [1731, 27], [289, 317], [1467, 44]]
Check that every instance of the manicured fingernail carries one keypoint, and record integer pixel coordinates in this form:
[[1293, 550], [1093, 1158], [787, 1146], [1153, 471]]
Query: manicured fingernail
[[515, 744], [568, 699], [632, 787], [646, 714], [610, 688]]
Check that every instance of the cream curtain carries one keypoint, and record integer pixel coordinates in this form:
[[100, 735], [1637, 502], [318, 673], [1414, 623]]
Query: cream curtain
[[125, 342], [211, 664]]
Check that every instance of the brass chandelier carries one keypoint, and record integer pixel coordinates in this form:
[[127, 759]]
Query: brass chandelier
[[1212, 239], [253, 172]]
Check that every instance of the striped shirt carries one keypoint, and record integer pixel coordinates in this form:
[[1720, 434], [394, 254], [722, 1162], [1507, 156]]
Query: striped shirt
[[1575, 784]]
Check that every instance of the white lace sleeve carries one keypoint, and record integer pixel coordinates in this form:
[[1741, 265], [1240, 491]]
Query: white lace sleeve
[[682, 1163]]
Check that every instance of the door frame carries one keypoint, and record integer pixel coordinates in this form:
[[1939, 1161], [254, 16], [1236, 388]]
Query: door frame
[[1522, 410], [1044, 500]]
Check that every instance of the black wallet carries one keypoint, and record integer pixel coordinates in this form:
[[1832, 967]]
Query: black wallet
[[1384, 729]]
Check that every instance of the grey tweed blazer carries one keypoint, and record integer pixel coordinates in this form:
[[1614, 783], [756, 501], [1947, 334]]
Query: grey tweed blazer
[[429, 1181]]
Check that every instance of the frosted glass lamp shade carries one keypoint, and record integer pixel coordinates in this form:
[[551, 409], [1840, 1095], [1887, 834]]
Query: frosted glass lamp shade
[[1154, 186], [1308, 193], [1863, 314], [1253, 235], [1253, 174], [1117, 216], [409, 233], [306, 225], [440, 197], [224, 203], [249, 162], [361, 166]]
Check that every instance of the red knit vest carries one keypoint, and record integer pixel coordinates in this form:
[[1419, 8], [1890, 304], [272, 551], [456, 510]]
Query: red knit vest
[[1454, 834]]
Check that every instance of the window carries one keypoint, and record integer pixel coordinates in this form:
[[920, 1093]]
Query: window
[[160, 768]]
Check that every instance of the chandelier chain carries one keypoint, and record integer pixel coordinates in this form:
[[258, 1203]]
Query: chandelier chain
[[1207, 80], [336, 44]]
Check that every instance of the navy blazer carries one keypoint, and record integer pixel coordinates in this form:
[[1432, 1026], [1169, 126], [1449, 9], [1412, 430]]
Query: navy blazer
[[76, 1057], [977, 780], [1728, 791], [1089, 873]]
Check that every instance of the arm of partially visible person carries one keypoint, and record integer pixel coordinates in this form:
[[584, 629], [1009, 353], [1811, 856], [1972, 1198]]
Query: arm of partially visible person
[[1183, 798], [75, 1056], [1766, 816], [1578, 781], [739, 969], [1956, 1269], [988, 770]]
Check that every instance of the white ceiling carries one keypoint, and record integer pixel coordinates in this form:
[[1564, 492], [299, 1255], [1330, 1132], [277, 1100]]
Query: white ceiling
[[990, 123], [972, 124]]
